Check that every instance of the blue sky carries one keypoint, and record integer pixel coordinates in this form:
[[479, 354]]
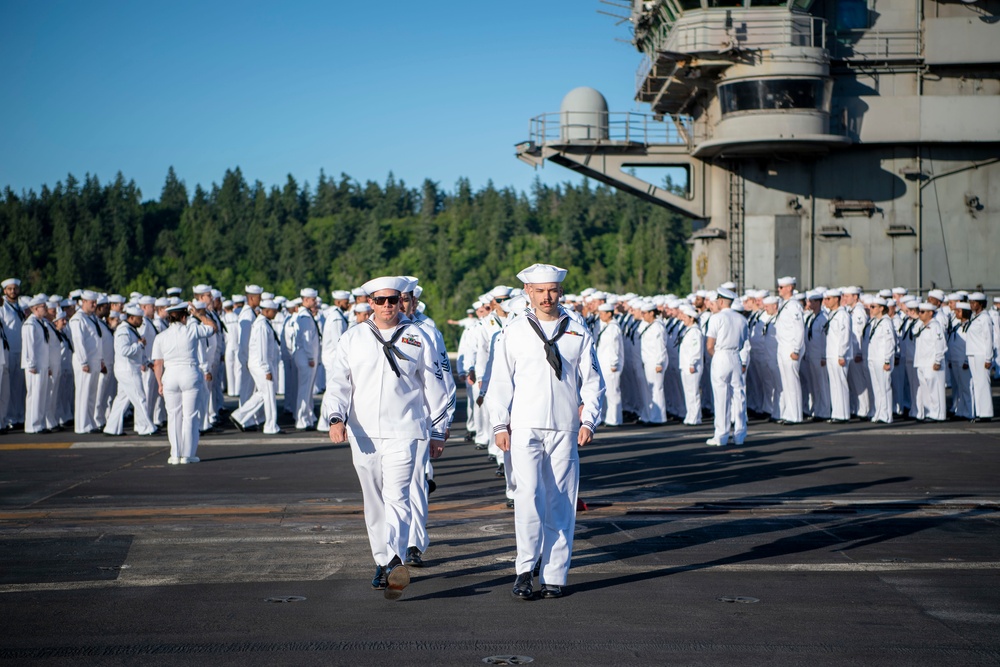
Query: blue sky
[[435, 90]]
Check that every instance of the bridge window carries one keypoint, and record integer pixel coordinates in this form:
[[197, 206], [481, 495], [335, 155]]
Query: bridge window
[[773, 94]]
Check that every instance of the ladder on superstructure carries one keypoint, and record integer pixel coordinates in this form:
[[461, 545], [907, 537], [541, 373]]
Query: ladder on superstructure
[[737, 190]]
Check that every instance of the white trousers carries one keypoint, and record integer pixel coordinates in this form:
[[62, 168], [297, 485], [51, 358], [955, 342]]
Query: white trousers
[[151, 390], [4, 395], [55, 391], [246, 382], [692, 395], [291, 382], [930, 394], [130, 392], [17, 389], [484, 435], [729, 395], [882, 403], [470, 403], [982, 398], [840, 393], [181, 388], [858, 383], [36, 402], [107, 387], [86, 398], [232, 386], [385, 470], [770, 386], [961, 389], [305, 409], [656, 406], [547, 469], [263, 398], [611, 411], [418, 497], [790, 403], [238, 370]]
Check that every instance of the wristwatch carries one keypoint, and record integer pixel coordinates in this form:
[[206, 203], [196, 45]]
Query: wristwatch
[[335, 420]]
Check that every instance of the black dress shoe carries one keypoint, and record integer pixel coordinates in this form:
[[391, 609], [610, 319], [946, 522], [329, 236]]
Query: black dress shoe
[[397, 578], [115, 435], [499, 472], [431, 486], [481, 446], [538, 567], [550, 592], [522, 587], [95, 431], [510, 503], [238, 425], [414, 557], [380, 580], [470, 436]]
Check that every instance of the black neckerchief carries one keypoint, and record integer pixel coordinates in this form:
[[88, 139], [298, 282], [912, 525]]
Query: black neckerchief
[[681, 337], [551, 351], [3, 335], [826, 327], [277, 341], [965, 325], [810, 320], [16, 308], [871, 333], [66, 339], [45, 329], [389, 347], [95, 322]]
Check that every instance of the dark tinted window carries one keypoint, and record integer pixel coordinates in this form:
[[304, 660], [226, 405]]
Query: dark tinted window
[[771, 94]]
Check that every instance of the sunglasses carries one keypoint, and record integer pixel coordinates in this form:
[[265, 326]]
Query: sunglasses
[[381, 300]]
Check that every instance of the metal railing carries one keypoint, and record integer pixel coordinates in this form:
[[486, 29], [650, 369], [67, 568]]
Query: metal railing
[[614, 126], [873, 44]]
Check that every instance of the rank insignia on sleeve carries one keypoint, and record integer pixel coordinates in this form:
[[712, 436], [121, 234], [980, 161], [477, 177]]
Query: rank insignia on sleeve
[[410, 340]]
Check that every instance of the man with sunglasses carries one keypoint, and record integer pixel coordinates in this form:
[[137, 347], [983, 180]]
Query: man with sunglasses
[[544, 399], [385, 392]]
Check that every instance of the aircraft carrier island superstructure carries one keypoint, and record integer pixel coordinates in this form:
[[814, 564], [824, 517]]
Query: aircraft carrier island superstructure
[[841, 141]]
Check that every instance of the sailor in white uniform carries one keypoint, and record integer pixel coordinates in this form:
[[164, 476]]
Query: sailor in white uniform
[[839, 355], [305, 351], [131, 362], [13, 317], [611, 357], [929, 353], [690, 361], [88, 361], [243, 325], [980, 348], [653, 348], [35, 341], [790, 333], [880, 350], [728, 343], [384, 389], [544, 398], [263, 358], [177, 365]]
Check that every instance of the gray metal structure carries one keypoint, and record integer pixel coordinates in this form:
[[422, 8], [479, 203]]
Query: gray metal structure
[[841, 141]]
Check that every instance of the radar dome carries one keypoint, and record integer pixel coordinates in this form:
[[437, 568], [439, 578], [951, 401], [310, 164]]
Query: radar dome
[[584, 115]]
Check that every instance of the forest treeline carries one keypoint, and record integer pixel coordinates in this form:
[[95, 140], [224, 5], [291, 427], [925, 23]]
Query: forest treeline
[[335, 235]]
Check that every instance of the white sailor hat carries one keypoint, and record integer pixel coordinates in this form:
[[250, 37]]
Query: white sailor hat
[[269, 304], [853, 289], [723, 293], [180, 306], [413, 282], [162, 302], [60, 315], [88, 295], [885, 293], [116, 298], [799, 296], [200, 305], [712, 295], [417, 291], [173, 301], [963, 305], [606, 307], [900, 290], [936, 294], [688, 310], [216, 294], [832, 293], [398, 283], [729, 285], [294, 303], [43, 295], [647, 307], [102, 299], [738, 306], [39, 300], [280, 299], [227, 303], [866, 299], [927, 306], [134, 295], [340, 295], [977, 296], [239, 298], [589, 291], [65, 303], [10, 281], [953, 296], [363, 308], [878, 301], [476, 305], [308, 293], [358, 291], [115, 315], [541, 273], [501, 291], [174, 291], [55, 297], [266, 295], [147, 301], [701, 293], [75, 294], [785, 281], [770, 300], [253, 289], [911, 302], [133, 311], [421, 306]]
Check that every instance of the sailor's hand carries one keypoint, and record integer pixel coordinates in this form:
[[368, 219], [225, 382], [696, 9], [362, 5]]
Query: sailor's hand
[[437, 448], [338, 433], [584, 437], [502, 440]]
